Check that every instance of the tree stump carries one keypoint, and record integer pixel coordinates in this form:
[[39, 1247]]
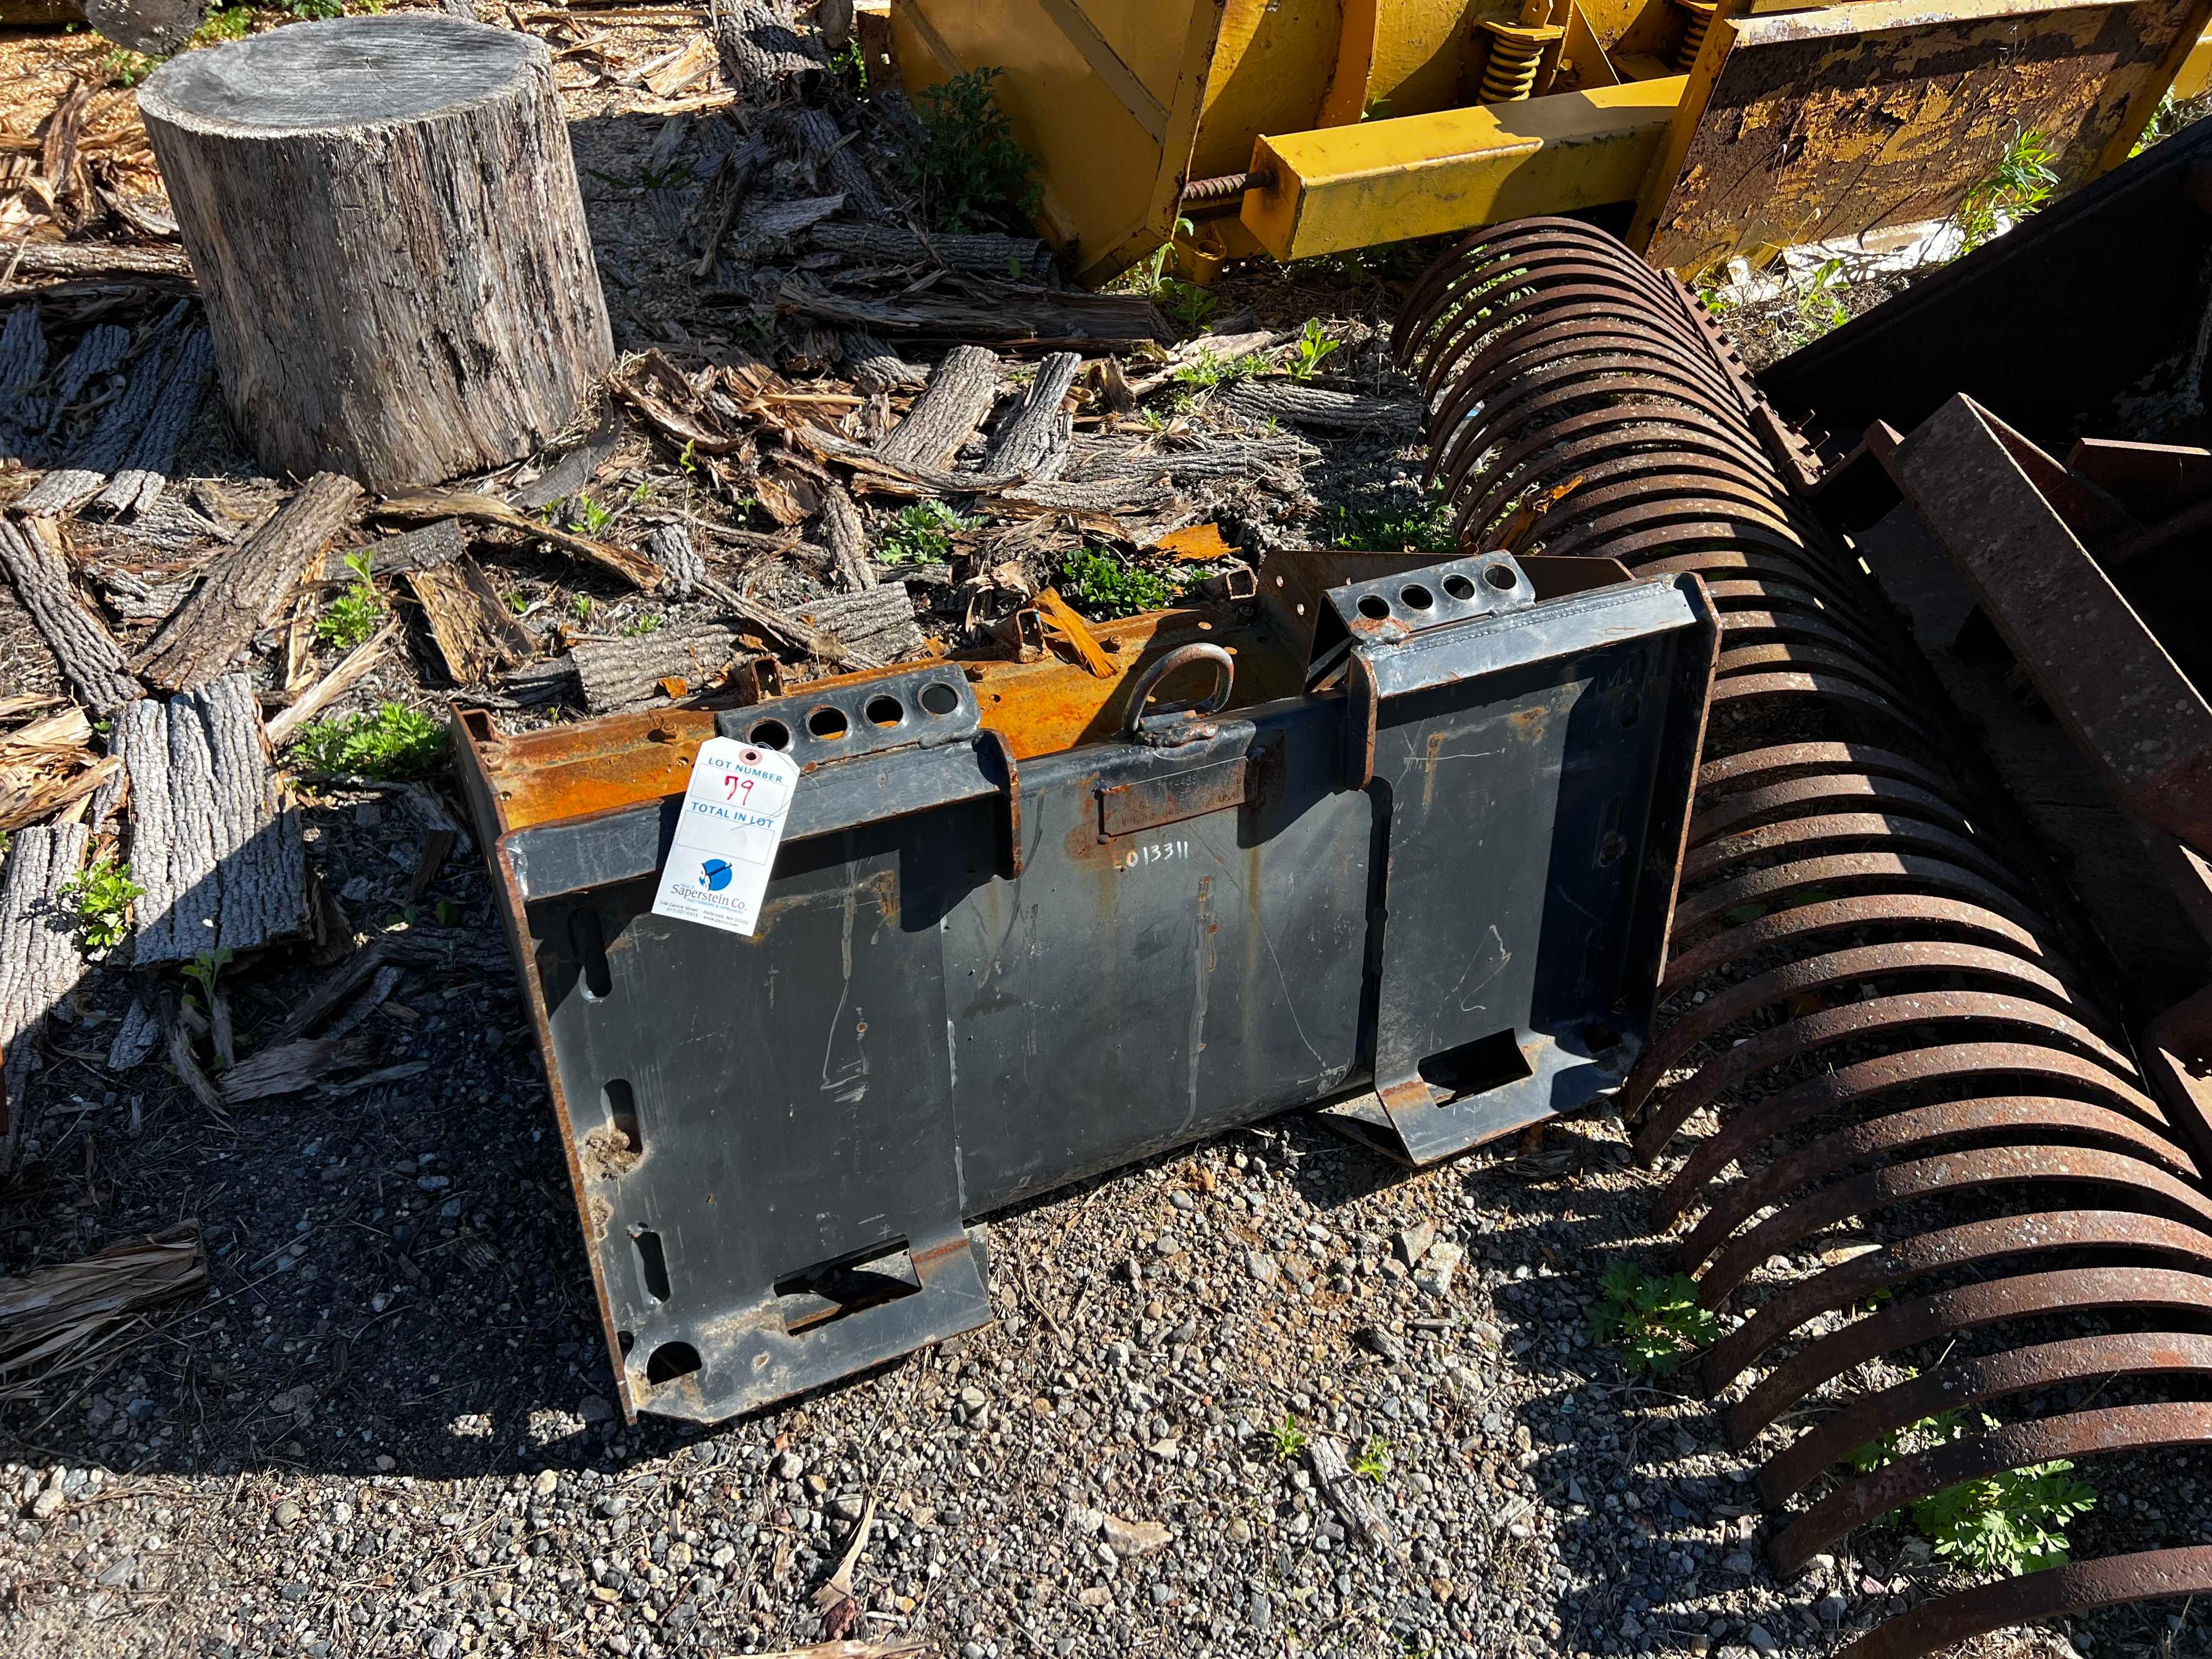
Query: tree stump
[[384, 216]]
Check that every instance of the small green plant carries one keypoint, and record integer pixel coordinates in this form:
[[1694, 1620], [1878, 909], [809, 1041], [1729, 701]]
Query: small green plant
[[2007, 1523], [2165, 121], [1937, 1430], [1209, 369], [647, 623], [1290, 1439], [1374, 1460], [1315, 344], [2022, 182], [591, 517], [688, 460], [581, 604], [100, 894], [125, 68], [968, 171], [642, 494], [206, 969], [1188, 305], [518, 602], [1654, 1321], [394, 741], [231, 23], [318, 11], [1100, 587], [1426, 528], [922, 534], [849, 60], [1820, 307], [348, 620]]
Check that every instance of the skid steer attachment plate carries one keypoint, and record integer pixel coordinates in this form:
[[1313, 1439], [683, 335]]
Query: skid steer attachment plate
[[1431, 888]]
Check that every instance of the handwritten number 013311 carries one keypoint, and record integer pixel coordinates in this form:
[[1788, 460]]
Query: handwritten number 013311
[[1157, 852]]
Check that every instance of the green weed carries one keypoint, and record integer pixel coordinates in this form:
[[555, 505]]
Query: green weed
[[2022, 182], [125, 68], [231, 23], [1100, 587], [968, 172], [2007, 1523], [1290, 1439], [393, 742], [1937, 1430], [591, 517], [1188, 306], [317, 11], [351, 619], [1820, 307], [1653, 1320], [1426, 528], [1208, 370], [1374, 1460], [647, 623], [1314, 344], [100, 894], [922, 534], [580, 605], [206, 969]]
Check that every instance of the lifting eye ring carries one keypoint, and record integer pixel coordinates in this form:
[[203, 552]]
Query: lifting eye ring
[[1136, 725]]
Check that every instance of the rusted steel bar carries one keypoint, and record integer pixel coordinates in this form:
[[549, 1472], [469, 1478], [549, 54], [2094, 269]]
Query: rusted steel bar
[[2076, 1587]]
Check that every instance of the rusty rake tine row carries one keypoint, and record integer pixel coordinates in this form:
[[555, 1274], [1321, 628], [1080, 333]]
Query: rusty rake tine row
[[1897, 871], [1949, 1313], [1863, 1083], [1976, 1381], [2076, 1587], [2074, 1434], [1914, 1130], [1810, 922], [1808, 790]]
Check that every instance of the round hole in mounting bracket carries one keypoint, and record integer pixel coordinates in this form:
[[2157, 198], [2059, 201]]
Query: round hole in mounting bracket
[[1414, 597], [770, 734], [1374, 606], [1458, 586], [886, 711], [939, 698], [1501, 577], [827, 723]]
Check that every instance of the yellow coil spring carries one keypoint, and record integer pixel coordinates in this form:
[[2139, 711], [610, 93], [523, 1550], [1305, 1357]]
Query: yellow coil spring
[[1686, 55], [1510, 74]]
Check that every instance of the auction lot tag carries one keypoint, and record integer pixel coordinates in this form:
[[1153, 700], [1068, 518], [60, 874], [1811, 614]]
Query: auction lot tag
[[726, 840]]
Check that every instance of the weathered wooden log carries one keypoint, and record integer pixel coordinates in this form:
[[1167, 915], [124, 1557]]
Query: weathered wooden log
[[617, 673], [876, 625], [1318, 407], [144, 472], [762, 51], [874, 366], [383, 216], [1034, 435], [814, 135], [85, 468], [98, 261], [477, 635], [990, 252], [38, 958], [160, 27], [72, 629], [215, 842], [848, 538], [248, 584], [945, 415], [681, 570], [426, 549]]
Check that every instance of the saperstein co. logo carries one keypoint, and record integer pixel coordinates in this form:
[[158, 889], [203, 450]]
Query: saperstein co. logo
[[714, 875]]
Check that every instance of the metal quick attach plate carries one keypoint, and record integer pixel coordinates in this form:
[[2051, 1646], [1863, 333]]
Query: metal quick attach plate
[[777, 1139], [921, 710], [1394, 608]]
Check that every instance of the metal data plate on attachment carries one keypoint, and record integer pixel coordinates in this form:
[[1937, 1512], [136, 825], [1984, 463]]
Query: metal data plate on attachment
[[1431, 891]]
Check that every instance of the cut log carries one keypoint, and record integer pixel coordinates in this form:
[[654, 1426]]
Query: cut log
[[994, 255], [40, 962], [876, 626], [1319, 408], [1034, 435], [945, 415], [247, 585], [95, 261], [426, 549], [813, 136], [156, 27], [84, 469], [72, 629], [874, 366], [764, 54], [215, 842], [681, 570], [475, 633], [618, 673], [384, 215], [998, 313], [848, 538], [767, 227]]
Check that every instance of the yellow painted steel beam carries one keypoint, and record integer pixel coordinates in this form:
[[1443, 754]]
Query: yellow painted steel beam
[[1425, 175], [2195, 71]]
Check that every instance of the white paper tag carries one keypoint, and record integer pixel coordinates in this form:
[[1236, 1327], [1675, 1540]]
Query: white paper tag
[[726, 840]]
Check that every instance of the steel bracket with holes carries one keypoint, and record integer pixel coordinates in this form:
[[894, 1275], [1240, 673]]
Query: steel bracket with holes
[[1406, 851]]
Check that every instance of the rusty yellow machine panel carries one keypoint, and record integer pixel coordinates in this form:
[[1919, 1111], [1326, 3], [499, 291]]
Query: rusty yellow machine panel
[[1302, 127]]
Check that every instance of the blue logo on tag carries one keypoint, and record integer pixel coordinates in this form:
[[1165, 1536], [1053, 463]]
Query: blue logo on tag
[[714, 875]]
